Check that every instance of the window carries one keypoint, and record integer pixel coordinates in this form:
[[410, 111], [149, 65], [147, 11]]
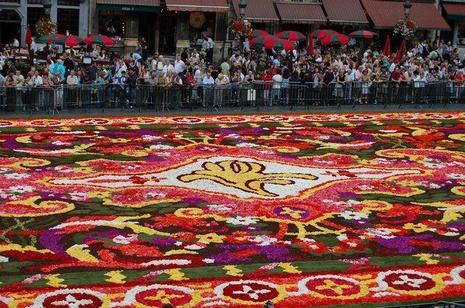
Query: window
[[68, 20], [69, 2]]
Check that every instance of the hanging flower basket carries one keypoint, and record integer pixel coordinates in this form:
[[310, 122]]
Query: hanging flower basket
[[405, 28], [241, 27], [45, 26]]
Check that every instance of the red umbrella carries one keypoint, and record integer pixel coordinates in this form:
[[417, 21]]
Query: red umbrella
[[256, 33], [319, 34], [49, 38], [293, 36], [401, 52], [334, 39], [260, 41], [363, 34], [69, 40], [28, 36], [279, 44], [387, 46], [99, 40]]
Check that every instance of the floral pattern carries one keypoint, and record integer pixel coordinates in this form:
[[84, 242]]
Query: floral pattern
[[215, 211]]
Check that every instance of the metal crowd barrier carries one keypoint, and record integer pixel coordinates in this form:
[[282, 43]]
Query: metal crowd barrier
[[256, 94]]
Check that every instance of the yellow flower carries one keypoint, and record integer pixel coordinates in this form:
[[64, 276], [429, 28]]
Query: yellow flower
[[417, 228], [136, 153], [119, 140], [210, 238], [84, 170], [99, 195]]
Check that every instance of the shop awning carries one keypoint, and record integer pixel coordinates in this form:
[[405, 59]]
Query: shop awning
[[455, 11], [300, 13], [219, 6], [258, 11], [385, 14], [129, 5], [345, 11]]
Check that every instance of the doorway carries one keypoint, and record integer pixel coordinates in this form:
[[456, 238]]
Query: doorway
[[10, 26], [168, 33]]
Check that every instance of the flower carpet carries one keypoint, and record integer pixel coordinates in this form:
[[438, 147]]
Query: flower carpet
[[215, 211]]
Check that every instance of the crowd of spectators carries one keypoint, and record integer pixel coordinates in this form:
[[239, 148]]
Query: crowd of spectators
[[423, 63]]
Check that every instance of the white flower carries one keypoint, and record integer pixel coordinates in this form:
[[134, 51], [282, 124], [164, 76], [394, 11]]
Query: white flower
[[160, 147], [380, 232], [208, 261], [60, 143], [194, 247], [243, 221], [64, 169], [366, 187], [352, 202], [150, 138], [78, 196], [457, 176], [20, 189], [125, 240], [262, 240], [246, 145], [219, 208], [155, 195], [16, 176], [349, 215]]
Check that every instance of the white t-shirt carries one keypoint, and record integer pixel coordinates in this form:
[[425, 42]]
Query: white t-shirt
[[208, 80], [210, 43], [277, 79], [168, 68], [179, 66], [37, 80]]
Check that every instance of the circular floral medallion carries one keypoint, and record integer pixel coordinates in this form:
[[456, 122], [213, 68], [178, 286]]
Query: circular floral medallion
[[187, 120], [409, 281], [158, 295], [46, 123], [232, 119], [332, 286], [81, 298], [94, 121], [248, 291], [141, 120]]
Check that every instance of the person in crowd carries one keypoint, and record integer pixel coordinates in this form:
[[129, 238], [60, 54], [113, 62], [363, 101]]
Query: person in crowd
[[209, 47], [179, 66], [72, 78]]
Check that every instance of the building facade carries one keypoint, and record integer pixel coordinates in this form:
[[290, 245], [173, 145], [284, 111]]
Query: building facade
[[170, 25], [15, 15], [454, 12], [167, 25]]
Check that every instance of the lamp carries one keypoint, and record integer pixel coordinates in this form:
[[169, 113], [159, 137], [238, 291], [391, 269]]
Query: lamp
[[407, 7], [47, 4], [242, 7]]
